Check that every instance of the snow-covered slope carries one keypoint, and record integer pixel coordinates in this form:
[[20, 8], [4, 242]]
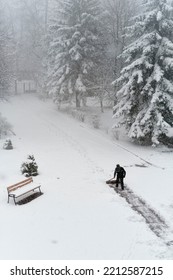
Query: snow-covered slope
[[79, 216]]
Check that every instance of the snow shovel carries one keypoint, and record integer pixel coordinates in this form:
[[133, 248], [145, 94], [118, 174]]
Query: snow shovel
[[111, 181]]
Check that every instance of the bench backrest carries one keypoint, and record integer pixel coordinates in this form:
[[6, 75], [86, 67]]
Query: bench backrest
[[19, 184]]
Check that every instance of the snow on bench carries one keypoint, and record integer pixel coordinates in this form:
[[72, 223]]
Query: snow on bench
[[22, 188]]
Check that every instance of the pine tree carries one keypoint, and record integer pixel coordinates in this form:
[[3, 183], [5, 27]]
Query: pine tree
[[30, 167], [75, 49], [8, 145], [145, 87]]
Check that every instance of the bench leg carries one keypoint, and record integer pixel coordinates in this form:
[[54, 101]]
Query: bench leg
[[14, 200]]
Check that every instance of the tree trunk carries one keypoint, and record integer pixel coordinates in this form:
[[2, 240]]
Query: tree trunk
[[101, 105], [77, 100]]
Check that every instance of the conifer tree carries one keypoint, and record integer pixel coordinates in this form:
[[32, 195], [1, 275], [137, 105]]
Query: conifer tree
[[8, 145], [145, 87], [75, 49], [30, 167]]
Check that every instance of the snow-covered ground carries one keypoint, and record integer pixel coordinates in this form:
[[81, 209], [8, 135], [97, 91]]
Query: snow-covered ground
[[79, 216]]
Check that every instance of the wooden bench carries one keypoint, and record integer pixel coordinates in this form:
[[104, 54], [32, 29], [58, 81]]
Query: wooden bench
[[22, 188]]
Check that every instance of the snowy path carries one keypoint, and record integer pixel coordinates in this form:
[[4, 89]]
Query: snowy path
[[78, 217], [153, 219]]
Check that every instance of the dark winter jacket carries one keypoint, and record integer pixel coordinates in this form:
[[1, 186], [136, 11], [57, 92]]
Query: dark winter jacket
[[121, 173]]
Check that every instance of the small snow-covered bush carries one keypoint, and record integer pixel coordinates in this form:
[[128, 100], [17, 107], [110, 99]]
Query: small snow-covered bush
[[78, 115], [5, 127], [115, 134], [95, 120], [8, 145], [106, 129], [30, 167]]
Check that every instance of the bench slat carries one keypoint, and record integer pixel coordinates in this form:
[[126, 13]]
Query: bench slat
[[23, 181], [19, 184]]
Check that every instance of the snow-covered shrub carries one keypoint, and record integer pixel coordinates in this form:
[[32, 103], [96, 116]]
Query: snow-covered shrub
[[8, 145], [78, 115], [95, 120], [106, 129], [30, 167], [5, 127], [115, 134]]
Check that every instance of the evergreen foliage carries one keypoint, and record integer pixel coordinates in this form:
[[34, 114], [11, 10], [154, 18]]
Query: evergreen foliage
[[145, 87], [29, 168], [75, 49], [8, 145]]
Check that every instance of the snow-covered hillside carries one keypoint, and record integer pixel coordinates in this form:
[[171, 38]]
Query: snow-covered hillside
[[79, 216]]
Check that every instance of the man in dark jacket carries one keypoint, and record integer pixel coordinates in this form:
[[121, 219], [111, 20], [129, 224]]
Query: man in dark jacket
[[121, 173]]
